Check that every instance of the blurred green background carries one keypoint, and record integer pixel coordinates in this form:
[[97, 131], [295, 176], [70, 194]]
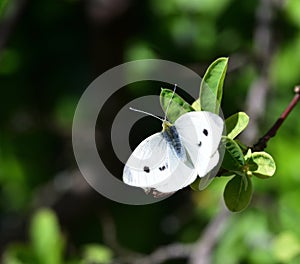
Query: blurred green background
[[50, 51]]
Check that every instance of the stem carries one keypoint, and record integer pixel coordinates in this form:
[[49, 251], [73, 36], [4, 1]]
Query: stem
[[262, 142]]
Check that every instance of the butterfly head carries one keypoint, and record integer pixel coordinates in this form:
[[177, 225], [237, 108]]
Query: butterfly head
[[166, 125]]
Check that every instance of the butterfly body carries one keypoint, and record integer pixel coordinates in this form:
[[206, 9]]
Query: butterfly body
[[170, 134]]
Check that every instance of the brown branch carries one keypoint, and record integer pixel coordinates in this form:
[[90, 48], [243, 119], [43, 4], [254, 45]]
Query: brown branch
[[262, 142], [199, 252], [162, 254], [203, 248]]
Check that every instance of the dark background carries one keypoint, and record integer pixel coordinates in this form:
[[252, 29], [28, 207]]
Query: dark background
[[50, 51]]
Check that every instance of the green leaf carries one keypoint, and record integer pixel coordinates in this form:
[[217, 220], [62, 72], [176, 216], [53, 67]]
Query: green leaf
[[266, 166], [195, 184], [236, 123], [178, 105], [46, 238], [248, 154], [238, 193], [211, 88], [250, 164], [94, 253], [243, 147], [227, 174], [201, 183], [233, 156]]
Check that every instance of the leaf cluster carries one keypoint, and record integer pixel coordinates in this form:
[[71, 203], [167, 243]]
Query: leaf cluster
[[239, 162]]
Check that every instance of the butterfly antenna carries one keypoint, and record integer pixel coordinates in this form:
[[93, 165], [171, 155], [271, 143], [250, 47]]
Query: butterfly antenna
[[143, 112], [170, 102]]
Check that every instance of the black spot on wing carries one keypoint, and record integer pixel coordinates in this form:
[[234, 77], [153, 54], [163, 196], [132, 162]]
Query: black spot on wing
[[205, 132], [146, 169], [199, 144], [162, 168]]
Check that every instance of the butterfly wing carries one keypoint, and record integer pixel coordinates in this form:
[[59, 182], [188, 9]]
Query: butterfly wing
[[201, 133], [150, 163], [180, 175], [155, 165]]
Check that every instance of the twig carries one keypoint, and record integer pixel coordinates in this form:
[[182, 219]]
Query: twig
[[162, 254], [262, 142], [203, 248]]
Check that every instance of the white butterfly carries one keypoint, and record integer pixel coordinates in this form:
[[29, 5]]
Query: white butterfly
[[171, 159]]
